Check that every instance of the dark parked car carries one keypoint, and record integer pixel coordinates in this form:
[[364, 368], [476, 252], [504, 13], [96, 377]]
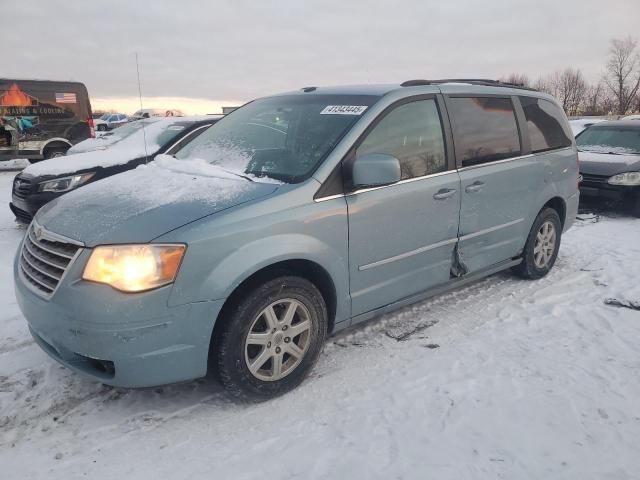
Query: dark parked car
[[38, 184], [609, 154], [41, 119]]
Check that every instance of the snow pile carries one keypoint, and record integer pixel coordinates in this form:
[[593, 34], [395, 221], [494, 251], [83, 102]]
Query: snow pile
[[15, 164]]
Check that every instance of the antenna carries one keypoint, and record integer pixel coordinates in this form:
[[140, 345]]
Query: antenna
[[144, 133]]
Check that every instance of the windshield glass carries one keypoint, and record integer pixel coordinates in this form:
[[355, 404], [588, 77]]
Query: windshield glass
[[105, 116], [621, 140], [282, 137], [170, 131], [129, 128]]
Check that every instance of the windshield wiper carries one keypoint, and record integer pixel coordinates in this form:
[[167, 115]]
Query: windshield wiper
[[602, 152], [235, 173]]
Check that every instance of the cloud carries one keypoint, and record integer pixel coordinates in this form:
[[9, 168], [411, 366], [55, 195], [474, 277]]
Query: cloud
[[242, 49]]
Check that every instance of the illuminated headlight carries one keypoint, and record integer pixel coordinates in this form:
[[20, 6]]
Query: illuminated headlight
[[134, 268], [629, 179], [64, 184]]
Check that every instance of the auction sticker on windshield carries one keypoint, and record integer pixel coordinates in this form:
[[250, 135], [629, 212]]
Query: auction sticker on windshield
[[343, 110]]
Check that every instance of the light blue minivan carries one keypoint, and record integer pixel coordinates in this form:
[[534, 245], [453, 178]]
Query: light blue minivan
[[293, 217]]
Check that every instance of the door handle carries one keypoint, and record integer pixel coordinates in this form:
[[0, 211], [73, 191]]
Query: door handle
[[444, 193], [475, 187]]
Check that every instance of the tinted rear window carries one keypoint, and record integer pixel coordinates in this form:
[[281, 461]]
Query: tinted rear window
[[545, 124], [485, 129]]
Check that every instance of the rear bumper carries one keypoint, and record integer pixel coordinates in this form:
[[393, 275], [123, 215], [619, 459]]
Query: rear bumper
[[119, 339]]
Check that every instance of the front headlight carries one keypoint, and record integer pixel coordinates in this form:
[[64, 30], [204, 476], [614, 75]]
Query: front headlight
[[64, 184], [134, 268], [629, 179]]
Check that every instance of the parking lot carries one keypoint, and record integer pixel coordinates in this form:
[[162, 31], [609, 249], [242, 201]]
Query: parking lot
[[504, 378]]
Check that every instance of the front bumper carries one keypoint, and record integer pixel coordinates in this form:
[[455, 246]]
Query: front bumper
[[125, 340], [597, 187], [26, 207]]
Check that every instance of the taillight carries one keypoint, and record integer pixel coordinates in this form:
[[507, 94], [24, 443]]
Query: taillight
[[578, 168], [92, 132]]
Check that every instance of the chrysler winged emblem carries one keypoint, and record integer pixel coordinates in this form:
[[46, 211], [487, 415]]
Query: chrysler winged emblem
[[38, 233]]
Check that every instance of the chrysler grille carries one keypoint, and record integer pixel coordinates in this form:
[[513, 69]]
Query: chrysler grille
[[45, 258]]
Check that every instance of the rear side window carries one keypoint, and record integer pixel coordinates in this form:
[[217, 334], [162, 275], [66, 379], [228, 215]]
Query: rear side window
[[413, 134], [485, 129], [545, 124]]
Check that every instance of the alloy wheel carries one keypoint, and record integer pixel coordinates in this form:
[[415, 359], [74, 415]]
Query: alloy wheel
[[278, 340], [545, 245]]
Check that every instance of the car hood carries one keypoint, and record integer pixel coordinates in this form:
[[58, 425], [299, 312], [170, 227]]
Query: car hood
[[142, 204], [608, 164], [118, 154]]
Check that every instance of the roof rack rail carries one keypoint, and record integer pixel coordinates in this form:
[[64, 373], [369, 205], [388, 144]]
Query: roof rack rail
[[471, 81]]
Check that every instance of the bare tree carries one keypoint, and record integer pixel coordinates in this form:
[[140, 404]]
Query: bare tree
[[596, 101], [517, 79], [569, 87], [623, 73], [542, 84]]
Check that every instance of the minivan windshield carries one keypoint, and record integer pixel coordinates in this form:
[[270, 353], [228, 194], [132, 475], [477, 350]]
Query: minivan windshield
[[283, 137], [610, 139]]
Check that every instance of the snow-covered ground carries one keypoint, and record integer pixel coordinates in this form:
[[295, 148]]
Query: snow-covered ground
[[503, 379]]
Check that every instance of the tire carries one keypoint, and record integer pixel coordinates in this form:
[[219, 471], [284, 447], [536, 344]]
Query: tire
[[541, 250], [102, 128], [54, 152], [236, 357]]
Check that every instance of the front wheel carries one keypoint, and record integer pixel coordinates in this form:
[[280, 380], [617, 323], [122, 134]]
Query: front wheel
[[271, 339], [541, 250]]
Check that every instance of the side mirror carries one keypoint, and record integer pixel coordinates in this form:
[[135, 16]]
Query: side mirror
[[375, 170]]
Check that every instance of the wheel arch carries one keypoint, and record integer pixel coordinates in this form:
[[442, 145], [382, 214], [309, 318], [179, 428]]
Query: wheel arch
[[299, 267], [560, 206], [304, 268], [55, 143]]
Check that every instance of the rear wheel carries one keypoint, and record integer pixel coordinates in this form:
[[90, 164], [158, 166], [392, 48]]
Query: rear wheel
[[271, 339], [54, 152], [541, 250]]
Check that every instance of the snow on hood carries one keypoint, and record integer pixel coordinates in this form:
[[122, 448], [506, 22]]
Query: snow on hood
[[119, 153], [608, 163], [200, 166], [142, 204]]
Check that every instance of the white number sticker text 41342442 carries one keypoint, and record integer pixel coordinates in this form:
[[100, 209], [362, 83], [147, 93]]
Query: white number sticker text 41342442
[[343, 110]]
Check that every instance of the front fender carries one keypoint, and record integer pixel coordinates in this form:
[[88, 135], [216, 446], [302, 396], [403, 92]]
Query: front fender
[[252, 257]]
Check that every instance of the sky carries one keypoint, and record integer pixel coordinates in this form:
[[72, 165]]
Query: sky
[[198, 55]]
